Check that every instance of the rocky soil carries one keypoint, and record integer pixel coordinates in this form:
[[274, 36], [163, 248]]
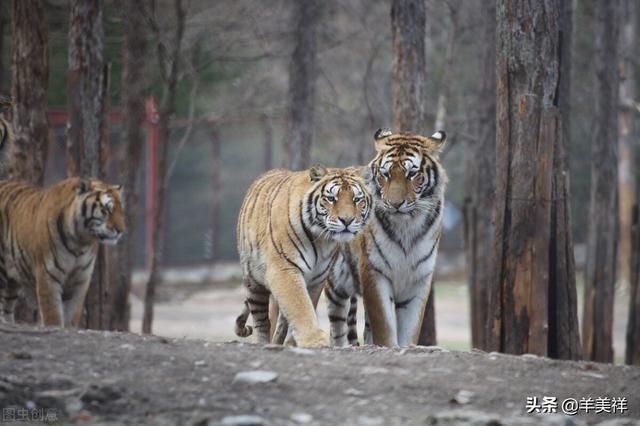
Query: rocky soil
[[120, 378]]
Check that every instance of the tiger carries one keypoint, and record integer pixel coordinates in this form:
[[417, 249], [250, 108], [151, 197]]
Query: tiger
[[289, 228], [49, 241], [392, 262]]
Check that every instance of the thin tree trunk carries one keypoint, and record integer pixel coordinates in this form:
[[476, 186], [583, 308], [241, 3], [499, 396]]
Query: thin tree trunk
[[215, 191], [30, 73], [603, 208], [302, 78], [445, 82], [87, 97], [3, 21], [528, 224], [480, 173], [133, 87], [564, 337], [626, 142], [267, 132], [408, 23], [408, 20], [632, 353], [167, 109]]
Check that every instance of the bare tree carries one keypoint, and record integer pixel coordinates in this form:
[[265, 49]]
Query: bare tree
[[628, 132], [30, 73], [86, 130], [133, 87], [602, 242], [626, 136], [521, 315], [169, 67], [302, 77], [408, 22], [480, 166]]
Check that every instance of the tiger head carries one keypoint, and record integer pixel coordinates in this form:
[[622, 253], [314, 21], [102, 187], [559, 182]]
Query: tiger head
[[406, 173], [338, 202], [99, 212]]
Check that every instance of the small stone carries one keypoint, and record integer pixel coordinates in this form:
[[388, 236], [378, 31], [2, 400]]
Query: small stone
[[370, 370], [370, 421], [200, 363], [273, 347], [462, 397], [300, 351], [529, 356], [246, 420], [128, 346], [353, 392], [595, 375], [301, 417], [255, 376]]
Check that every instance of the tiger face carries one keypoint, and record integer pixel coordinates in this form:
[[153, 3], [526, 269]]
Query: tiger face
[[101, 211], [406, 172], [339, 203]]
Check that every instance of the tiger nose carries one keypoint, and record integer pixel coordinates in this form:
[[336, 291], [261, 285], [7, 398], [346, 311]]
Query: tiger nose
[[397, 204], [346, 220]]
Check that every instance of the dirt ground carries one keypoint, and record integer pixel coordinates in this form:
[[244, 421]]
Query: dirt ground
[[122, 378]]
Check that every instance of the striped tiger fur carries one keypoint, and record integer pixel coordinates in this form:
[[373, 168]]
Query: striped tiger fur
[[393, 261], [289, 228], [48, 243]]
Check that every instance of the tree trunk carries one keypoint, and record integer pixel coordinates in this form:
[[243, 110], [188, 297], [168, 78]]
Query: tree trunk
[[445, 81], [529, 226], [302, 78], [267, 132], [408, 22], [86, 130], [480, 173], [632, 353], [626, 142], [215, 191], [4, 13], [564, 337], [166, 111], [600, 276], [628, 92], [30, 73], [133, 87]]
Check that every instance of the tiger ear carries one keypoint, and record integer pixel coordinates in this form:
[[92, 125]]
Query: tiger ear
[[83, 186], [379, 136], [117, 188], [317, 172], [437, 140]]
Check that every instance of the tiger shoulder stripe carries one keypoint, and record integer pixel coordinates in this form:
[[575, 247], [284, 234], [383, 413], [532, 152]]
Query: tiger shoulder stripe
[[392, 262], [289, 228], [48, 243]]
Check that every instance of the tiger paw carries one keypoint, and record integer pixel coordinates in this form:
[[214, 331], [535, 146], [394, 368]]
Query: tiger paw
[[314, 339]]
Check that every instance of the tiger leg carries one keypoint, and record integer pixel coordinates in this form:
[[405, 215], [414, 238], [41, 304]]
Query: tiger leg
[[366, 335], [242, 329], [377, 294], [410, 313], [73, 302], [314, 293], [352, 322], [258, 301], [338, 308], [49, 295], [290, 291], [281, 330], [8, 299]]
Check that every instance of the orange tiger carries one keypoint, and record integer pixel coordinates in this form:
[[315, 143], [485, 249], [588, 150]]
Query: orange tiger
[[393, 261], [289, 228], [49, 240]]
